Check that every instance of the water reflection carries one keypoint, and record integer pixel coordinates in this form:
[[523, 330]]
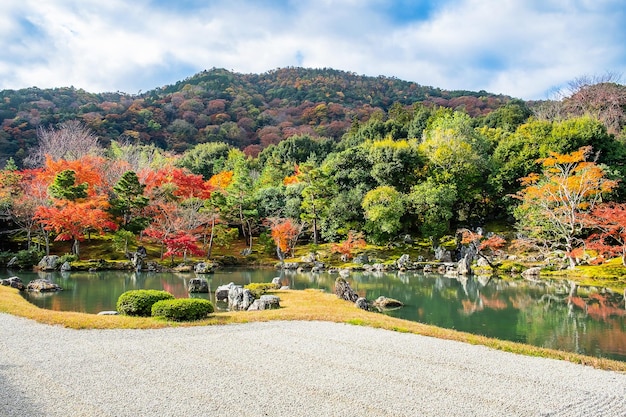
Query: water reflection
[[552, 314]]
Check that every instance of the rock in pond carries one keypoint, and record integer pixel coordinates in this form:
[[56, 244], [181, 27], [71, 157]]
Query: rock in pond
[[42, 285], [204, 268], [387, 303], [48, 263], [221, 293], [198, 285]]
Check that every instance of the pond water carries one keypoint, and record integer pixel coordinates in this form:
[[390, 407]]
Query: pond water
[[592, 321]]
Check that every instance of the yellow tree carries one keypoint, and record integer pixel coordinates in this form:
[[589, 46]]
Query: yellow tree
[[554, 203]]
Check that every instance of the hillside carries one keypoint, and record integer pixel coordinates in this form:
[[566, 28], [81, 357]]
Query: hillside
[[248, 111]]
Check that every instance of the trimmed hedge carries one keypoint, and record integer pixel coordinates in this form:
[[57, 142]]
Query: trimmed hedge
[[182, 309], [139, 302]]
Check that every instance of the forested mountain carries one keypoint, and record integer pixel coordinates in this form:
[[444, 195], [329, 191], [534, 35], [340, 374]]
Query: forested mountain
[[247, 111]]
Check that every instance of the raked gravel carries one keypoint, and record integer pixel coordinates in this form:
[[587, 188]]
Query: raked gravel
[[284, 369]]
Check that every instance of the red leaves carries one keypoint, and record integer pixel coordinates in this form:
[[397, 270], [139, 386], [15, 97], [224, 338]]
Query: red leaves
[[353, 241], [182, 244]]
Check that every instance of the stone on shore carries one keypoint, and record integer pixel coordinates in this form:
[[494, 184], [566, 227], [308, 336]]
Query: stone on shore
[[13, 282]]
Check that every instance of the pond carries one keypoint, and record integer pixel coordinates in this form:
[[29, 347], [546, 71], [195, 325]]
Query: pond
[[592, 321]]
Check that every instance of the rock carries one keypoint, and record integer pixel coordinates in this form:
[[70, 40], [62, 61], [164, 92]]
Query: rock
[[48, 263], [362, 303], [403, 262], [138, 258], [285, 288], [386, 303], [344, 257], [361, 259], [266, 302], [42, 285], [108, 313], [428, 268], [465, 265], [482, 262], [276, 282], [532, 272], [13, 282], [198, 285], [407, 239], [378, 267], [344, 291], [344, 273], [309, 258], [183, 268], [221, 293], [239, 298], [12, 262], [66, 267], [442, 254], [204, 268]]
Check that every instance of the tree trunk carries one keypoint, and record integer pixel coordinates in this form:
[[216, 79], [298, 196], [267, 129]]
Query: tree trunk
[[208, 255]]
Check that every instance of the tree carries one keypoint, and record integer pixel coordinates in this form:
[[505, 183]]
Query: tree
[[70, 141], [129, 202], [65, 187], [482, 245], [384, 207], [352, 242], [71, 220], [554, 202], [609, 223], [180, 244], [285, 233], [433, 204]]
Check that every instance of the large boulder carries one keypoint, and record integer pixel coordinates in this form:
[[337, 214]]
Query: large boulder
[[204, 268], [66, 267], [48, 263], [362, 258], [362, 303], [13, 282], [404, 262], [221, 293], [532, 272], [344, 291], [465, 265], [266, 302], [43, 285], [384, 303], [239, 298], [276, 281], [198, 285]]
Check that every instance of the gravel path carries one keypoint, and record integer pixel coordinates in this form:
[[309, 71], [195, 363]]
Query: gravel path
[[284, 369]]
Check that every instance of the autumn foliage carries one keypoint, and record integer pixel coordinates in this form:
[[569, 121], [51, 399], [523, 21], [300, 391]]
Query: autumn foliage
[[352, 242], [285, 233]]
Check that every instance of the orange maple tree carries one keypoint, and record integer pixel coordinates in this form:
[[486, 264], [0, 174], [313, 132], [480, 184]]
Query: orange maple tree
[[352, 242], [555, 201], [285, 233]]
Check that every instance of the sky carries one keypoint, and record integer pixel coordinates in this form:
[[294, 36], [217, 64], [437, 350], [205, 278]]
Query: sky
[[522, 48]]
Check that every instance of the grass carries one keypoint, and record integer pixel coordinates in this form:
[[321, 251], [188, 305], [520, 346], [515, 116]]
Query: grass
[[295, 305], [611, 274]]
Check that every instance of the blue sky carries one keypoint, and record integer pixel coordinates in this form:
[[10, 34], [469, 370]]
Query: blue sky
[[523, 48]]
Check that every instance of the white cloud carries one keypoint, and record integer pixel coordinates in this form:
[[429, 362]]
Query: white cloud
[[515, 47]]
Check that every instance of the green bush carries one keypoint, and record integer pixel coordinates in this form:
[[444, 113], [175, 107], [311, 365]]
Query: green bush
[[182, 309], [139, 302], [68, 257], [259, 288]]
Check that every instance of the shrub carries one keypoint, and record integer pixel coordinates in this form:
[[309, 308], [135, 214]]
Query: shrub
[[259, 288], [68, 257], [139, 302], [182, 309]]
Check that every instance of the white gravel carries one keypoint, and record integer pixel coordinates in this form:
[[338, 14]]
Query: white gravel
[[284, 369]]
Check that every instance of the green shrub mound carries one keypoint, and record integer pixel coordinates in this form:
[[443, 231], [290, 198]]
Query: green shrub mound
[[182, 309], [139, 302], [259, 288]]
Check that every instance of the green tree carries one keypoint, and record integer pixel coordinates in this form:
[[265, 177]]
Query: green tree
[[64, 186], [384, 207], [129, 201], [206, 159], [432, 204]]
